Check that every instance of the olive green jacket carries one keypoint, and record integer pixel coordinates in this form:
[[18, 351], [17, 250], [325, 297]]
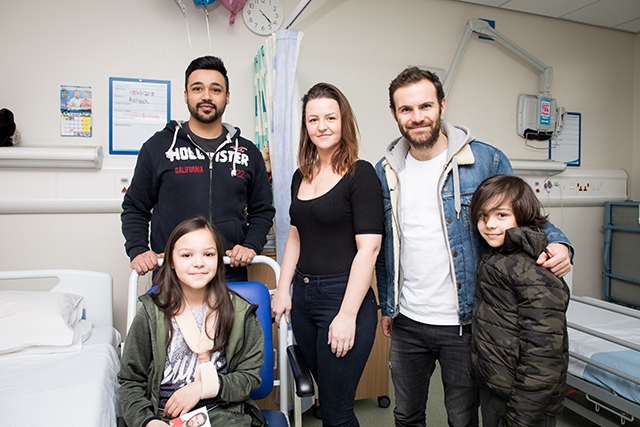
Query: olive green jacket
[[144, 356]]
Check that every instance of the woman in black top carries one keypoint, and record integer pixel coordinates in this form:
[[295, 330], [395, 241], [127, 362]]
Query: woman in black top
[[335, 236]]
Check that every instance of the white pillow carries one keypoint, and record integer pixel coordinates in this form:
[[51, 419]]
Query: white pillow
[[37, 319]]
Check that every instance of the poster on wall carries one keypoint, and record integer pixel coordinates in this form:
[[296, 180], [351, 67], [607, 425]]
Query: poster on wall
[[138, 108], [75, 111]]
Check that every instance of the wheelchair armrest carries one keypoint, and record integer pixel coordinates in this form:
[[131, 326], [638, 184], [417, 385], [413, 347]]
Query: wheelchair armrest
[[300, 371]]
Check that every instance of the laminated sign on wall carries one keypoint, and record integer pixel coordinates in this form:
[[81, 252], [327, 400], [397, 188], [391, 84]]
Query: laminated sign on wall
[[138, 109]]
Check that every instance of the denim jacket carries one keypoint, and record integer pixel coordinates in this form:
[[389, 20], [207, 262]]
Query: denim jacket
[[468, 163]]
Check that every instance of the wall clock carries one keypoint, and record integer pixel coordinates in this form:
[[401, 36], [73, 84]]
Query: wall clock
[[263, 17]]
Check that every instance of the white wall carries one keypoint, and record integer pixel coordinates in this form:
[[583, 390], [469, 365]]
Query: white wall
[[358, 45]]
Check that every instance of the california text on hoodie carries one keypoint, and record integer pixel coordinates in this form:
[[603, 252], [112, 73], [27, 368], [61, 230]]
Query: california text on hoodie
[[175, 179]]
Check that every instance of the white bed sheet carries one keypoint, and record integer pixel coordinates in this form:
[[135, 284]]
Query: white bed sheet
[[63, 389], [608, 353]]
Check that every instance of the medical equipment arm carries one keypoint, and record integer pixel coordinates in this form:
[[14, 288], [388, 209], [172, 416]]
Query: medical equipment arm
[[483, 28], [537, 116]]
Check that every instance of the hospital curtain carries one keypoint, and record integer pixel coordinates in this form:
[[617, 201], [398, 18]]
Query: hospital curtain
[[277, 106]]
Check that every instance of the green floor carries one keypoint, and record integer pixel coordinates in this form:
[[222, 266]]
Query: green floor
[[370, 414]]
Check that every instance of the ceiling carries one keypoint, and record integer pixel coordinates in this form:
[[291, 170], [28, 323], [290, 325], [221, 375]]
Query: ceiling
[[622, 15]]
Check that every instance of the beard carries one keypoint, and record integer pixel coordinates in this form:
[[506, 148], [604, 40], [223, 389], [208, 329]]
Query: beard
[[207, 118], [423, 140]]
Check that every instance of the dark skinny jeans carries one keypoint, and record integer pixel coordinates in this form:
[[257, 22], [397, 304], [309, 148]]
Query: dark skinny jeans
[[316, 302]]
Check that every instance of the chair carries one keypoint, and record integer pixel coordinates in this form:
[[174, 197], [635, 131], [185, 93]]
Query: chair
[[287, 354]]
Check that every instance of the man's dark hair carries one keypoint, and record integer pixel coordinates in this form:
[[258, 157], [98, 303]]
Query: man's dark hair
[[411, 76], [206, 63]]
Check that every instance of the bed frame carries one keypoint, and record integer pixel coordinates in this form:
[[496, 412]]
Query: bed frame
[[96, 287], [600, 397]]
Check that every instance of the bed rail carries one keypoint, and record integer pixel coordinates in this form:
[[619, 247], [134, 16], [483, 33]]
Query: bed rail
[[600, 395], [627, 311]]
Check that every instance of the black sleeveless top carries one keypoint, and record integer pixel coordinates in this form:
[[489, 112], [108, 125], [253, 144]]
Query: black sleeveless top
[[328, 224]]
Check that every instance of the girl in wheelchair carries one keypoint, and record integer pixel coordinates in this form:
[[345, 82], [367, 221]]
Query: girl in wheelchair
[[193, 342]]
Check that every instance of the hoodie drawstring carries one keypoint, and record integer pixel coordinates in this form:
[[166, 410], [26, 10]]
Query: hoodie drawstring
[[233, 171], [173, 143], [456, 186]]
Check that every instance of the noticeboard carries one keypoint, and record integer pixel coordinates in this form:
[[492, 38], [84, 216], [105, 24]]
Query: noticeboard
[[137, 109]]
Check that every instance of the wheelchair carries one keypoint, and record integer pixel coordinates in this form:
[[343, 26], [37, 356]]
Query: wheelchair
[[287, 353]]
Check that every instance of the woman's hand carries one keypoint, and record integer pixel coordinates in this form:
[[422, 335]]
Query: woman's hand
[[183, 400], [342, 334], [281, 304]]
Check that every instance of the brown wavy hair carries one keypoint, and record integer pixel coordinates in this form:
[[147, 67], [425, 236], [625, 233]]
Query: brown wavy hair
[[170, 299], [526, 207], [413, 75], [346, 155]]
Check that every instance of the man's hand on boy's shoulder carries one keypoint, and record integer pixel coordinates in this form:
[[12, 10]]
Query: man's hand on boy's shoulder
[[556, 258]]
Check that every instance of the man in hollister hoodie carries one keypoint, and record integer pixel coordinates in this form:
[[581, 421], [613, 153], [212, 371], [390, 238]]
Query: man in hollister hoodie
[[199, 167]]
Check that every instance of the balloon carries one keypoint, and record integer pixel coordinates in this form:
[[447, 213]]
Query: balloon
[[203, 2], [234, 7]]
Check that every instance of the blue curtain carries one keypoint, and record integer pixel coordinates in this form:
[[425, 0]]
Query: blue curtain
[[278, 119]]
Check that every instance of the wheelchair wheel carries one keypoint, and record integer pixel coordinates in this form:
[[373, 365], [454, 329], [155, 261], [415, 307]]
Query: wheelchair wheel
[[384, 401]]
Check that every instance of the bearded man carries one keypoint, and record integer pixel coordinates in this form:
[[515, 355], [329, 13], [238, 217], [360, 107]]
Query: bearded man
[[426, 270], [201, 167]]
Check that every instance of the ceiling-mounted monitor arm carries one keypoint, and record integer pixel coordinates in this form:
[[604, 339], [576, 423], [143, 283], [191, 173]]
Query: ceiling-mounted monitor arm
[[482, 27]]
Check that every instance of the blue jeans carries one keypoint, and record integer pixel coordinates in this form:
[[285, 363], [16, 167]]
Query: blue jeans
[[316, 302], [415, 348]]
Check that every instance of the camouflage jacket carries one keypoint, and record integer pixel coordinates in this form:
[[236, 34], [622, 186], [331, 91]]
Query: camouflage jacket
[[520, 343]]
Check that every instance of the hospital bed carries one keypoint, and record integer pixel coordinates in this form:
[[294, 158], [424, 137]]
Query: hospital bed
[[604, 361], [59, 355]]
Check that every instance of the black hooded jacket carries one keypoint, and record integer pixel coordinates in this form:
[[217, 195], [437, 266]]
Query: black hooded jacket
[[174, 180]]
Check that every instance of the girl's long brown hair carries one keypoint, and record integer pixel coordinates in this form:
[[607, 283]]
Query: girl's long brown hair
[[170, 298], [346, 155]]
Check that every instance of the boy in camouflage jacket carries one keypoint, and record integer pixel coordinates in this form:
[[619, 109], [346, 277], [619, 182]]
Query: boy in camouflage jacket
[[519, 344]]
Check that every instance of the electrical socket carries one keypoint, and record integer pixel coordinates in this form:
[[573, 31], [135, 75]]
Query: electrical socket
[[122, 183], [580, 188]]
